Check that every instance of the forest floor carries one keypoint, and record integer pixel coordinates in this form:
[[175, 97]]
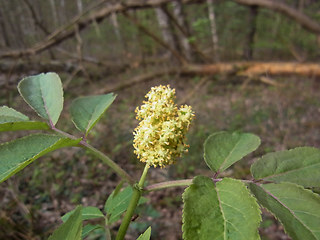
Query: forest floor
[[284, 116]]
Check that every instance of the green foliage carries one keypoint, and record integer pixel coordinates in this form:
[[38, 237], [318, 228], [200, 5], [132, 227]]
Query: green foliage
[[146, 235], [71, 229], [87, 229], [87, 111], [12, 120], [26, 125], [17, 154], [224, 211], [44, 94], [298, 209], [300, 165], [214, 208], [118, 202], [223, 149], [10, 115], [86, 214]]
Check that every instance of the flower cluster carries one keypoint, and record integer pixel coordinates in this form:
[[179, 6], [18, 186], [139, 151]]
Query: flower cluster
[[160, 136]]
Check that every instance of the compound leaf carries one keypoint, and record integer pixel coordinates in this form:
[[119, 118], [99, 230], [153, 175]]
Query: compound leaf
[[86, 111], [298, 209], [19, 153], [221, 212], [44, 93], [223, 149], [71, 229], [300, 165]]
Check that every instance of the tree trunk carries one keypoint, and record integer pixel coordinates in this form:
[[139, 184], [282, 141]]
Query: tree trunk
[[79, 6], [164, 24], [180, 16], [252, 25], [3, 28], [116, 28], [54, 13], [212, 17]]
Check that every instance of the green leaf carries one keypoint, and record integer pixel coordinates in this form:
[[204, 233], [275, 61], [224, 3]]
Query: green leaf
[[118, 203], [86, 213], [86, 111], [19, 153], [225, 211], [298, 209], [44, 93], [146, 235], [223, 149], [87, 229], [10, 115], [12, 120], [300, 165], [30, 125], [71, 229]]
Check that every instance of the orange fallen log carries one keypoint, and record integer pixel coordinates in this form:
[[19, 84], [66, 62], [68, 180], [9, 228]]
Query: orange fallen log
[[255, 68]]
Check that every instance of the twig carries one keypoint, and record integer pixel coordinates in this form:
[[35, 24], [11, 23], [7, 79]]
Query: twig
[[157, 39], [194, 90]]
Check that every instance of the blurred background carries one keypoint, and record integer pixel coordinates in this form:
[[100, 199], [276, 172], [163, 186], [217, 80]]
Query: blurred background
[[243, 65]]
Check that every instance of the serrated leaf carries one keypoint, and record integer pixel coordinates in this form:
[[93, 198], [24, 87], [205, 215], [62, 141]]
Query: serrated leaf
[[11, 115], [221, 212], [86, 111], [71, 229], [298, 209], [19, 153], [86, 213], [87, 229], [117, 204], [223, 149], [44, 94], [146, 235], [300, 165]]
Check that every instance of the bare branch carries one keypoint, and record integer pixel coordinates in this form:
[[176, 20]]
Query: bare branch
[[291, 12]]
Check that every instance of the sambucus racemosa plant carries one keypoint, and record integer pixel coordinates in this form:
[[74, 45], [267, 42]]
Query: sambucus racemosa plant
[[214, 208]]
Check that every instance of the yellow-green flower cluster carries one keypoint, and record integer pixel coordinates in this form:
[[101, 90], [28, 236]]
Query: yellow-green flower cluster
[[160, 136]]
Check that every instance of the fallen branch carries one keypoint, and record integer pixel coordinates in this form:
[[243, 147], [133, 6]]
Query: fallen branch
[[256, 68], [243, 69]]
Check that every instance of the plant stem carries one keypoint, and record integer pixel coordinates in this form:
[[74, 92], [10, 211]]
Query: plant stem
[[108, 235], [137, 190], [162, 185], [115, 167], [180, 183]]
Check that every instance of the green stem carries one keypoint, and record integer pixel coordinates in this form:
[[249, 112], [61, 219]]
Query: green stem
[[162, 185], [115, 167], [184, 183], [137, 190], [108, 234]]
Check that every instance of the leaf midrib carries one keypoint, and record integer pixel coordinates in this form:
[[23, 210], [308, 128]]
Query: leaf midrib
[[227, 158]]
